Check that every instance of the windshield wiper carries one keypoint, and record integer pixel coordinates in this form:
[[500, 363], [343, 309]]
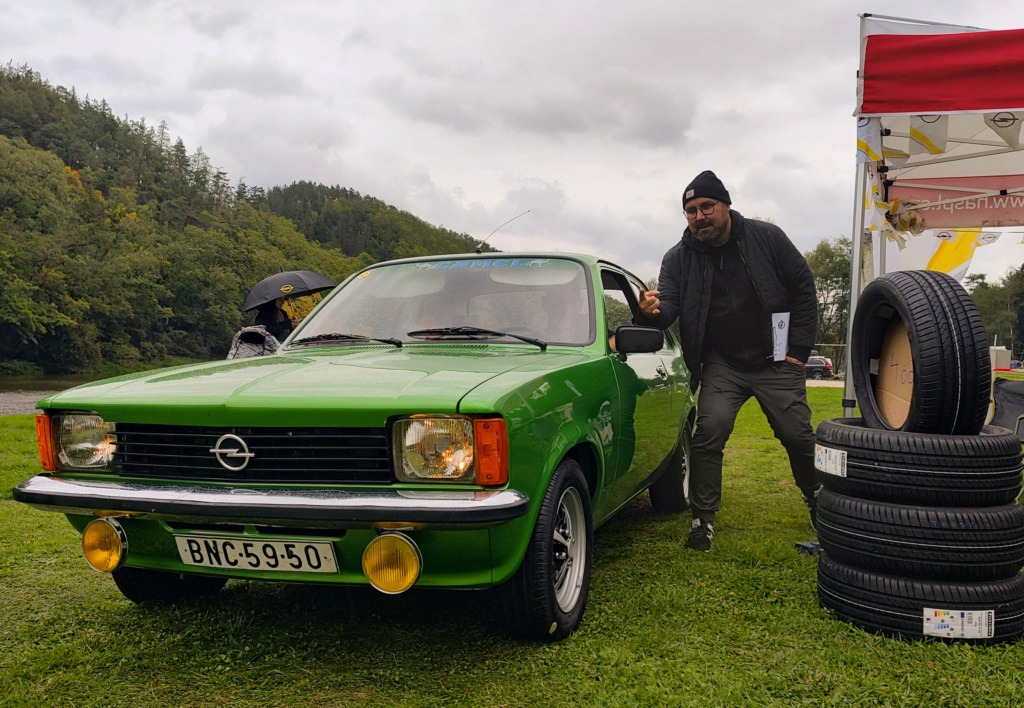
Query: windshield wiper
[[472, 332], [341, 337]]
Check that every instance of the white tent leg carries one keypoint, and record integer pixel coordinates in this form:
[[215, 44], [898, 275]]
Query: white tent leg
[[856, 283]]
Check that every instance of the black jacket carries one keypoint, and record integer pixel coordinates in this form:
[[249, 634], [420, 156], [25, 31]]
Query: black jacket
[[267, 315], [780, 274]]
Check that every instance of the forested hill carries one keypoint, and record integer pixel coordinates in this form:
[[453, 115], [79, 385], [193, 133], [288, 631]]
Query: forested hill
[[342, 218], [118, 245]]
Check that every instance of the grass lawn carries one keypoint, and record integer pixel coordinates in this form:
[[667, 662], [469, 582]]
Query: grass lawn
[[739, 626]]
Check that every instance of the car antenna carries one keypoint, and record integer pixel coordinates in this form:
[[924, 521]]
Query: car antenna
[[480, 246]]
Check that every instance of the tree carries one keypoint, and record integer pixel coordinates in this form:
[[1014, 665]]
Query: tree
[[999, 305], [830, 265], [117, 245]]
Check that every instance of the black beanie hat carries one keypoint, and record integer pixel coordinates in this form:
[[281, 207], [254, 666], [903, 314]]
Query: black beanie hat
[[706, 184]]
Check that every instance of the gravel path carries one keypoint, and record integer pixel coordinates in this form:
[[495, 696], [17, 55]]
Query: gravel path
[[834, 383], [21, 402]]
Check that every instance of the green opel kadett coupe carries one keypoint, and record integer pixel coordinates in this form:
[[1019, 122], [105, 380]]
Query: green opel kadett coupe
[[443, 422]]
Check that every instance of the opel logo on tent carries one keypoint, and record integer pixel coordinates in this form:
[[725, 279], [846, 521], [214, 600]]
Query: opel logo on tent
[[230, 448], [1003, 120]]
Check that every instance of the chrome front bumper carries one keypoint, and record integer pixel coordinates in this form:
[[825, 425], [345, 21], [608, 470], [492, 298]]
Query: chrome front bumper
[[327, 508]]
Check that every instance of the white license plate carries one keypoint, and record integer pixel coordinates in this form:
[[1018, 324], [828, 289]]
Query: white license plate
[[234, 553]]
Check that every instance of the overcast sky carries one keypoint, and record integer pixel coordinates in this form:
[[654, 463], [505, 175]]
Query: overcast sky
[[593, 115]]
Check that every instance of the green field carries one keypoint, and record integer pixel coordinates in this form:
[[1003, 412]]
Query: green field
[[739, 626]]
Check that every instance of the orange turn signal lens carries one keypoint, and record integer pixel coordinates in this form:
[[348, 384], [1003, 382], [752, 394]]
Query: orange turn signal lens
[[491, 453], [45, 442]]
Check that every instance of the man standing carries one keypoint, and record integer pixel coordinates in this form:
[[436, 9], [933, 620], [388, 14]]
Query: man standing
[[731, 281]]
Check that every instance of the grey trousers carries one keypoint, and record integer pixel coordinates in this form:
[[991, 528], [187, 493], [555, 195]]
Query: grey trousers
[[781, 390]]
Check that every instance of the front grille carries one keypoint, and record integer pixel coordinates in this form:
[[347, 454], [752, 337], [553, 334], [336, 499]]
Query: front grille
[[283, 455]]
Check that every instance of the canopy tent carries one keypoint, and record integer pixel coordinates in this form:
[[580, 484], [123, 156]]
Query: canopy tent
[[939, 115]]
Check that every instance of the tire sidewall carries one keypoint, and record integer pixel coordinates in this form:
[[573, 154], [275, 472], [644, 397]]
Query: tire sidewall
[[918, 468], [569, 474], [669, 493], [529, 606], [869, 328]]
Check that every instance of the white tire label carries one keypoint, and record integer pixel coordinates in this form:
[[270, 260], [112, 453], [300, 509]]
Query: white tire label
[[959, 624], [830, 461]]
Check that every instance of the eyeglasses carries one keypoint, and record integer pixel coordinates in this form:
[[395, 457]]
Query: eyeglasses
[[707, 209]]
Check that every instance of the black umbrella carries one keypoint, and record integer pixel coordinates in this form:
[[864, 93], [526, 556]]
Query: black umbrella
[[288, 284]]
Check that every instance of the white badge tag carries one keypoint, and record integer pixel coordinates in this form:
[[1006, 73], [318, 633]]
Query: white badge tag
[[780, 334]]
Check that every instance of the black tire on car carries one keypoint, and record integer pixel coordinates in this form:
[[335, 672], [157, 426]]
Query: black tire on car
[[922, 542], [817, 375], [142, 585], [545, 599], [916, 468], [669, 494], [898, 606], [949, 381]]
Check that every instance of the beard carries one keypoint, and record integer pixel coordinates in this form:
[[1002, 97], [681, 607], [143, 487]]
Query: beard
[[709, 233]]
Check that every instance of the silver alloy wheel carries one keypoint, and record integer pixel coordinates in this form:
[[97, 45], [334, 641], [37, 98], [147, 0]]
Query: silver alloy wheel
[[569, 549], [686, 471]]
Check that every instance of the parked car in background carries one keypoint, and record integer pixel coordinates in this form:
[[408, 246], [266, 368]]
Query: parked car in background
[[443, 422], [819, 367]]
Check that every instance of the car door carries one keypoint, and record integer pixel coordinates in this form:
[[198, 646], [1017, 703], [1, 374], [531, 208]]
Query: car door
[[682, 401], [645, 430]]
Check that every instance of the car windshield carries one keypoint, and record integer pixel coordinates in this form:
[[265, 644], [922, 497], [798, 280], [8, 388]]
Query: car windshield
[[545, 299]]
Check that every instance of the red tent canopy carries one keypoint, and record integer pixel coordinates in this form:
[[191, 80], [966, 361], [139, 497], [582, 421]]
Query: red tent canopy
[[976, 72], [941, 109]]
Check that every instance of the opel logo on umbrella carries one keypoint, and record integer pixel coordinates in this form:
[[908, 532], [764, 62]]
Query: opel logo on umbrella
[[230, 448]]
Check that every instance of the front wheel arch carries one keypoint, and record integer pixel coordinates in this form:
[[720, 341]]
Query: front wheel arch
[[586, 456]]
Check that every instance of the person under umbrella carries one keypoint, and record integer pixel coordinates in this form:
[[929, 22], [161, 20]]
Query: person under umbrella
[[268, 296], [276, 321]]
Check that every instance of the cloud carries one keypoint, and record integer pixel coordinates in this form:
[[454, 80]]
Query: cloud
[[607, 101], [615, 103], [278, 146], [215, 21], [259, 77], [593, 115]]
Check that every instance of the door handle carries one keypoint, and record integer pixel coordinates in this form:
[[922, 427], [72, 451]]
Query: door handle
[[661, 372]]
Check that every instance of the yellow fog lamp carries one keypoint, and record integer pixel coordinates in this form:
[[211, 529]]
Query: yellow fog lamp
[[392, 563], [104, 544]]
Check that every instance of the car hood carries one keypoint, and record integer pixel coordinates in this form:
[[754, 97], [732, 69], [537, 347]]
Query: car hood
[[355, 386]]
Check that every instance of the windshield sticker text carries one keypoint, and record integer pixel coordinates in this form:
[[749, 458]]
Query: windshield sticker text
[[486, 263]]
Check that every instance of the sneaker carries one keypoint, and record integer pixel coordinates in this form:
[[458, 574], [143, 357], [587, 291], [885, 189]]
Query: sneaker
[[702, 533], [811, 500]]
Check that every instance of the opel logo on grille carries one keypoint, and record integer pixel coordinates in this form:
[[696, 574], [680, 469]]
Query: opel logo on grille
[[230, 448]]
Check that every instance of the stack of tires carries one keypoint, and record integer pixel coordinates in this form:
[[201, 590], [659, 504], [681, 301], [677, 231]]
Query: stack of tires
[[920, 529]]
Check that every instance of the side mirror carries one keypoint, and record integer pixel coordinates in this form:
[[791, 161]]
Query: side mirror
[[638, 340]]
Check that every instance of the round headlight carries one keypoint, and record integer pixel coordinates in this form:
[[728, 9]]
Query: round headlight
[[434, 448], [104, 544], [392, 563], [82, 441]]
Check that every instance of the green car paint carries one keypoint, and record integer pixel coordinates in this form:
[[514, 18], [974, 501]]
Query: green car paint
[[562, 394]]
